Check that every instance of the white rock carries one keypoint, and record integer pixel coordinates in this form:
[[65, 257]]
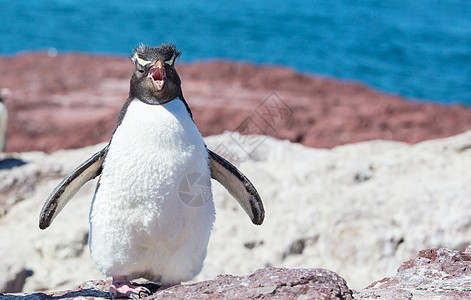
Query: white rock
[[359, 210]]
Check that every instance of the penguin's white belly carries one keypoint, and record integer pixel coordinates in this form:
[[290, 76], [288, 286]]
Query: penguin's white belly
[[153, 211]]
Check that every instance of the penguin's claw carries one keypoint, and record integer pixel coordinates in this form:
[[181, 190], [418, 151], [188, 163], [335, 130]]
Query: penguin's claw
[[127, 290], [141, 294], [144, 292]]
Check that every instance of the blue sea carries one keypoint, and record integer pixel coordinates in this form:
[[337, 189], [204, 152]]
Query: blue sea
[[420, 49]]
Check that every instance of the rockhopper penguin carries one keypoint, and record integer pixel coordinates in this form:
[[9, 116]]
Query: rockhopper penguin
[[146, 219]]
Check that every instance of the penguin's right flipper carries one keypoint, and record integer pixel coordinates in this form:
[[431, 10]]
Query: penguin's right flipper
[[239, 186], [61, 195]]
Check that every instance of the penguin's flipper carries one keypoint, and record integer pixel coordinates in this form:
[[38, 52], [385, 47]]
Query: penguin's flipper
[[238, 186], [61, 195]]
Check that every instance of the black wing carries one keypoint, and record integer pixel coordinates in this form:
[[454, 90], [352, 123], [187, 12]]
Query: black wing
[[239, 186], [61, 195]]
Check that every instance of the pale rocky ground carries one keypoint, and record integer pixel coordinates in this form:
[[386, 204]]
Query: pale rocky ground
[[359, 210]]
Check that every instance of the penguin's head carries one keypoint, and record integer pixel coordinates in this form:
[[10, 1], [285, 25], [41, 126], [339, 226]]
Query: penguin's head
[[155, 80]]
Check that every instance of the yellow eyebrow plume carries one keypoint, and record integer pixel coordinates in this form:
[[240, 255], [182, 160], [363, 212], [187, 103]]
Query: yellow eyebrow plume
[[142, 62], [170, 61]]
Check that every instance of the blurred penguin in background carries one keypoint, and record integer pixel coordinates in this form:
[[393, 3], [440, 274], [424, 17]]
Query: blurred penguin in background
[[3, 119]]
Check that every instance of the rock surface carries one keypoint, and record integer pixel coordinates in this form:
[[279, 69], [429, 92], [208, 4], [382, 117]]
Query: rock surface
[[359, 210], [434, 273], [73, 100], [265, 283]]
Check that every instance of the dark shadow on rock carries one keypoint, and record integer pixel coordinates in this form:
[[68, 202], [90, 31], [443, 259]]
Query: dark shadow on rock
[[10, 163], [68, 295], [35, 296], [83, 293]]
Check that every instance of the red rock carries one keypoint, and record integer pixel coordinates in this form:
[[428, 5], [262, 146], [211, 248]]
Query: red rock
[[73, 100], [265, 283], [435, 273]]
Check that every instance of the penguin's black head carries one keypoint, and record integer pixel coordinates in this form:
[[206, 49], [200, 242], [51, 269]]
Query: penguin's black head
[[155, 80]]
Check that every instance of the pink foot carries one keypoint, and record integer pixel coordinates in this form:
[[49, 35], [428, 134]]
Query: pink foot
[[122, 288]]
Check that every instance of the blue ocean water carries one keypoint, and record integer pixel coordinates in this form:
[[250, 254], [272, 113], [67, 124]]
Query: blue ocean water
[[419, 49]]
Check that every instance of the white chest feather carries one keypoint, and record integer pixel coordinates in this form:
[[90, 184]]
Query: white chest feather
[[140, 224], [153, 149]]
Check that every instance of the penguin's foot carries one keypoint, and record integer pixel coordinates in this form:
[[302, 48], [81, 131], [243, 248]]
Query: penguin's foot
[[122, 288]]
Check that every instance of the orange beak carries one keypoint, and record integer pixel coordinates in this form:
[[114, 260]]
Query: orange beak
[[157, 75]]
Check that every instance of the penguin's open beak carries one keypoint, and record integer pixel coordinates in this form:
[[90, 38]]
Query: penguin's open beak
[[157, 75]]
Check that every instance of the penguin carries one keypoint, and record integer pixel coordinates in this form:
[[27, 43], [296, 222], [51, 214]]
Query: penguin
[[3, 120], [152, 212]]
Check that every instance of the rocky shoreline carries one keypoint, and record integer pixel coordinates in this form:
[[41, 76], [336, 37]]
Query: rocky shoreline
[[73, 100]]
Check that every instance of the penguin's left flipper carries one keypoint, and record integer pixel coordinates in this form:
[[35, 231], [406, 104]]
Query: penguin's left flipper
[[239, 186], [61, 195]]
